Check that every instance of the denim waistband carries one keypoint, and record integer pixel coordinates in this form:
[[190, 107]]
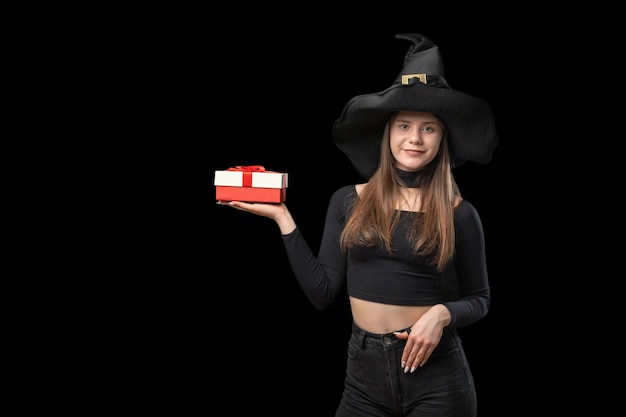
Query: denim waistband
[[449, 340], [385, 339]]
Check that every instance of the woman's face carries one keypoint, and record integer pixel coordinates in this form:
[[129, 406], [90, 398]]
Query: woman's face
[[414, 139]]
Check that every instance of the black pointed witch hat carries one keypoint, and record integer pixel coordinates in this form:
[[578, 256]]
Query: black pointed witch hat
[[420, 86]]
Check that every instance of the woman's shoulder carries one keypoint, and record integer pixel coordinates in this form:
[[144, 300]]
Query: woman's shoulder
[[345, 192], [343, 198], [349, 191], [465, 211]]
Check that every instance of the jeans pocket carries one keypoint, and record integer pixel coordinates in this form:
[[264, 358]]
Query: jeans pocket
[[353, 347]]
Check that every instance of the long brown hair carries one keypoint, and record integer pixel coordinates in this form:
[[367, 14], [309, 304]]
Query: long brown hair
[[374, 216]]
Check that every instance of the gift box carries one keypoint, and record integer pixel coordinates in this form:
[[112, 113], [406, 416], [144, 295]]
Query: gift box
[[251, 184]]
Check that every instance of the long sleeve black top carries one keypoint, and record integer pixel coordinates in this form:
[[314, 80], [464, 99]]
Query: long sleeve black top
[[400, 278]]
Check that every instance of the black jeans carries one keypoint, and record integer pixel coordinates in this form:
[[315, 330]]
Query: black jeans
[[376, 385]]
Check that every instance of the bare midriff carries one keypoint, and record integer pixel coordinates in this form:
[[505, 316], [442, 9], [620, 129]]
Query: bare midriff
[[384, 318]]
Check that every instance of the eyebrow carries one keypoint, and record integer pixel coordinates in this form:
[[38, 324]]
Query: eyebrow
[[433, 121]]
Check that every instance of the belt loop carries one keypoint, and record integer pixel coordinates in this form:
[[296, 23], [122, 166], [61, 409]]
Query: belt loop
[[360, 334]]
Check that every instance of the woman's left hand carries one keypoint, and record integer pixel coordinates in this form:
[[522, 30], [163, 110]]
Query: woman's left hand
[[423, 337]]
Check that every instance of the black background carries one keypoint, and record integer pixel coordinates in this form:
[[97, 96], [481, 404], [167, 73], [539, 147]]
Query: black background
[[227, 322]]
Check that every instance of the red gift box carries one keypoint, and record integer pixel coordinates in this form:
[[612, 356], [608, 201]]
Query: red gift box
[[250, 183]]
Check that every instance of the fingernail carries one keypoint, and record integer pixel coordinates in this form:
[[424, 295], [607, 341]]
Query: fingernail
[[406, 369], [403, 364]]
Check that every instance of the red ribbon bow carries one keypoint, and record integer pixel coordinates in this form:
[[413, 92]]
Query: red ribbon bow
[[247, 168], [247, 172]]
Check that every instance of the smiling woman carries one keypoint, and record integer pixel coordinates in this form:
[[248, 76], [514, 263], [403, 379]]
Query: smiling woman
[[389, 243]]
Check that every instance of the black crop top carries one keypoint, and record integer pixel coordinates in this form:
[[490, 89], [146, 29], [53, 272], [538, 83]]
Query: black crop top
[[401, 278]]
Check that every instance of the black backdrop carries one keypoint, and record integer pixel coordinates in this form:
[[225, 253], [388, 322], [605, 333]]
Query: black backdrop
[[231, 326]]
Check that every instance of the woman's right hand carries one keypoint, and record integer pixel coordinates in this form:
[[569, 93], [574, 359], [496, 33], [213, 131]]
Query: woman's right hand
[[275, 211], [271, 210]]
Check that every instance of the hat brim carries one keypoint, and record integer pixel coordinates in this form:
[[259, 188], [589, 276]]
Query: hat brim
[[469, 122]]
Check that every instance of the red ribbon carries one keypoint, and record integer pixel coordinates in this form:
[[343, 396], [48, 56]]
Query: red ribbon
[[247, 172], [247, 168]]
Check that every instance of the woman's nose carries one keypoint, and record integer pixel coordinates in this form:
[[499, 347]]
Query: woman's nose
[[415, 138]]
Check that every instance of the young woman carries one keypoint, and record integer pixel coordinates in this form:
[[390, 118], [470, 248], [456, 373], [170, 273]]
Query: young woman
[[389, 240]]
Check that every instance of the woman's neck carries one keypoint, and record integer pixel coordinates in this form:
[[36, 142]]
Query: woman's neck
[[409, 179]]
